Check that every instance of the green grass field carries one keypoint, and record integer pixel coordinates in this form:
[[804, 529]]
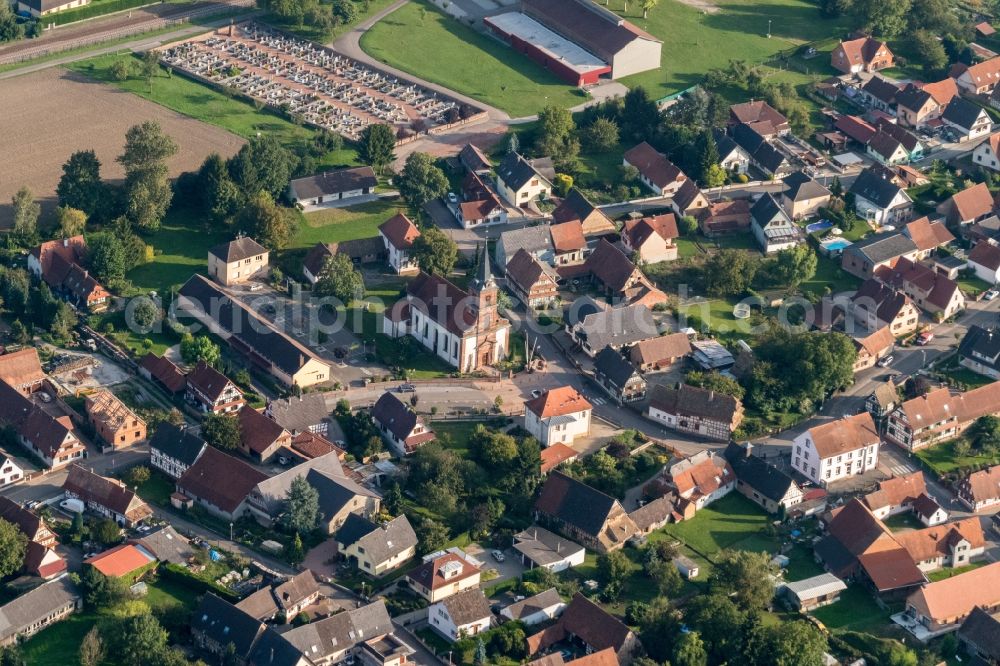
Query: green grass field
[[855, 611], [948, 572], [830, 275], [943, 459], [731, 522], [421, 40], [59, 645], [339, 224]]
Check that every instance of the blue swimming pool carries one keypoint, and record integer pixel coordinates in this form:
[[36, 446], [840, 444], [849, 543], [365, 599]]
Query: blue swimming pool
[[822, 225]]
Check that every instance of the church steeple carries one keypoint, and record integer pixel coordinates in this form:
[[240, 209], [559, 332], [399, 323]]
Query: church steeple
[[484, 274]]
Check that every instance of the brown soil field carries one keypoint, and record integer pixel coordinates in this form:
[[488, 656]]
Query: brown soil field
[[53, 113]]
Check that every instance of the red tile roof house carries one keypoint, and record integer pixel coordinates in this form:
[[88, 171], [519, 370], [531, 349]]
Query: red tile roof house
[[940, 607], [124, 561], [40, 559], [211, 391], [978, 79], [761, 116], [697, 481], [951, 545], [655, 171], [399, 425], [43, 562], [399, 233], [725, 217], [568, 242], [442, 576], [22, 370], [651, 239], [559, 415], [107, 497], [930, 291], [58, 263], [837, 449], [980, 490], [938, 415], [620, 279], [585, 623], [861, 55], [533, 282], [163, 372], [900, 495], [220, 483], [260, 437], [660, 353], [972, 204], [51, 439]]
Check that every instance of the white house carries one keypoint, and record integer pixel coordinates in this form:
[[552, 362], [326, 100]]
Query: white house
[[399, 425], [10, 472], [732, 157], [461, 615], [333, 186], [967, 120], [987, 154], [772, 227], [173, 451], [984, 260], [880, 200], [542, 607], [539, 547], [655, 171], [398, 234], [837, 449], [518, 182], [558, 415]]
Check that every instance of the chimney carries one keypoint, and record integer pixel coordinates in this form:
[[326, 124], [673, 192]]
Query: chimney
[[65, 242]]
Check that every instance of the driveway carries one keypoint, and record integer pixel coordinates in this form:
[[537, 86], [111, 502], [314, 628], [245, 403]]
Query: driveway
[[511, 567]]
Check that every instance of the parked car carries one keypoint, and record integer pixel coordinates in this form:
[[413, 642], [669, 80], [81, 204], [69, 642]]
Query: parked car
[[406, 388], [498, 556], [452, 198], [536, 393], [886, 361], [924, 338], [991, 294]]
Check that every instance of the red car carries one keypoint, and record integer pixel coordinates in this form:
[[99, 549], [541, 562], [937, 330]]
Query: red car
[[924, 338]]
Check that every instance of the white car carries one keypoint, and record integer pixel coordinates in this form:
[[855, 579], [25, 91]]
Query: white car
[[452, 198], [991, 294], [498, 556], [886, 361]]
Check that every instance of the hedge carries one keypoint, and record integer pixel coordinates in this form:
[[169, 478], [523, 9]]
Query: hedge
[[99, 8], [184, 576]]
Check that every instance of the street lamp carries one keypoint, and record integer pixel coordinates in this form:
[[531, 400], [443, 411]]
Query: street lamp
[[230, 531], [769, 28]]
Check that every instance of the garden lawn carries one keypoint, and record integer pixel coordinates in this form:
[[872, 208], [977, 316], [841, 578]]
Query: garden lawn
[[181, 246], [967, 377], [855, 611], [459, 432], [717, 313], [829, 274], [207, 104], [903, 521], [59, 644], [165, 594], [971, 285], [731, 522], [948, 572], [942, 458], [333, 225], [429, 44]]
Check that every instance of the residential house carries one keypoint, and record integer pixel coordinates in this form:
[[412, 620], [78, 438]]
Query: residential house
[[304, 413], [882, 400], [112, 420], [398, 233], [655, 171], [654, 514], [533, 282], [725, 217], [555, 455], [163, 372], [376, 548], [866, 256], [360, 251], [558, 415], [584, 514], [536, 241], [51, 439], [33, 611], [980, 636], [617, 327], [772, 227], [938, 415], [263, 344], [803, 196], [973, 204], [475, 160], [872, 347], [461, 615], [927, 235], [878, 199], [220, 483], [538, 547], [861, 55], [442, 575], [984, 260], [953, 545], [217, 624], [660, 353], [43, 562], [912, 146], [651, 239], [876, 305], [966, 120], [987, 153], [761, 116], [941, 607], [576, 208], [10, 471], [858, 547], [689, 200], [479, 206], [536, 609], [166, 544], [399, 425], [173, 450], [879, 94], [760, 481], [237, 261], [695, 411], [856, 129], [919, 105], [763, 155], [260, 437], [902, 494], [980, 490], [886, 149], [614, 373], [58, 263], [568, 243], [978, 79], [125, 560], [812, 593], [283, 600], [697, 481], [518, 182], [362, 635], [212, 392], [28, 523], [105, 496], [615, 273], [585, 623], [929, 290], [22, 370], [837, 449], [732, 157], [333, 186], [979, 351], [463, 328]]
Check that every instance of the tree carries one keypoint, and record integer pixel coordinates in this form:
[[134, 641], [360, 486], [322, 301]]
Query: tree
[[687, 225], [421, 181], [640, 115], [795, 265], [432, 535], [496, 450], [138, 475], [265, 221], [435, 252], [602, 135], [510, 641], [985, 434], [885, 18], [147, 188], [77, 526], [262, 165], [13, 545], [107, 532], [612, 570], [795, 643], [377, 146], [10, 28], [106, 257], [663, 572], [556, 137], [92, 651], [200, 349], [340, 278], [121, 69], [26, 211], [138, 640], [80, 185], [931, 51], [792, 369], [150, 66], [689, 650], [301, 506], [221, 431], [72, 221], [744, 575], [144, 313], [344, 11], [718, 622], [729, 272], [715, 381], [219, 195], [12, 655]]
